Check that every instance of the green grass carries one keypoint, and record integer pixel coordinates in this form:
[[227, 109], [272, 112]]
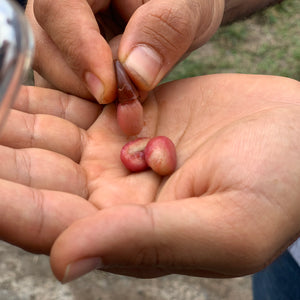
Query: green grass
[[266, 43]]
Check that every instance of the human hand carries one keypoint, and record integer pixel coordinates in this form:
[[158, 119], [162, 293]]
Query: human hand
[[230, 208], [73, 55], [43, 190]]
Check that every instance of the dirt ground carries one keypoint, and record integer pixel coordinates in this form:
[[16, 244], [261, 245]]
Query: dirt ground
[[24, 276]]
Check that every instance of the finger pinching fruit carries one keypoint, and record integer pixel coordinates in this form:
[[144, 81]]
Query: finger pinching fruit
[[129, 109]]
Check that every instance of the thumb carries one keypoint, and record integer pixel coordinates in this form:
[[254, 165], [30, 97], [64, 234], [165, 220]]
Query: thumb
[[160, 32], [191, 236]]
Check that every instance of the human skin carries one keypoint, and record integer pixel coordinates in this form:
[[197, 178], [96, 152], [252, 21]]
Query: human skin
[[156, 35], [129, 108], [229, 209], [238, 9], [162, 29], [148, 38]]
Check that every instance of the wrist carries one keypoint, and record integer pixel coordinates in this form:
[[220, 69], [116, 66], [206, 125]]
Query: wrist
[[209, 20], [238, 9]]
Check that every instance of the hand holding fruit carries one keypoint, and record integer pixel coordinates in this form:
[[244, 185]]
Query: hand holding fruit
[[219, 213], [229, 208], [156, 35]]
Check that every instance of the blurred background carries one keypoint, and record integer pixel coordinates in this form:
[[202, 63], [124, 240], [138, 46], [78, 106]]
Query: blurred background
[[266, 43]]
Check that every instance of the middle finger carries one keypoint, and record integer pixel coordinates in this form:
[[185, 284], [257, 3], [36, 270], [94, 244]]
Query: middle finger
[[23, 130], [42, 169]]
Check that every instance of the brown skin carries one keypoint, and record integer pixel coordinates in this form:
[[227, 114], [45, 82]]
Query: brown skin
[[239, 9], [76, 46], [173, 28], [230, 208]]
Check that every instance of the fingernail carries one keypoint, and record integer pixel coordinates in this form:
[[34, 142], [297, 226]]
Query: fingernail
[[80, 268], [94, 85], [146, 63]]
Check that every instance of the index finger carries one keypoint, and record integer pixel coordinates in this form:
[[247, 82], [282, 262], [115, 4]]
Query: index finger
[[72, 26]]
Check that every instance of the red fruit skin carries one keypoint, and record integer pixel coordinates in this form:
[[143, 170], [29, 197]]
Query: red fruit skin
[[130, 117], [132, 155], [160, 155], [126, 89]]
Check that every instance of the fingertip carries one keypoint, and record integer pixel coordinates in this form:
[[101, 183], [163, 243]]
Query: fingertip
[[95, 86], [103, 86], [144, 65], [113, 236], [83, 50], [99, 78], [130, 117], [155, 38], [79, 268], [158, 35]]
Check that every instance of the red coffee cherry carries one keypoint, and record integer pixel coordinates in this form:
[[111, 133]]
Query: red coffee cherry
[[132, 155], [158, 153]]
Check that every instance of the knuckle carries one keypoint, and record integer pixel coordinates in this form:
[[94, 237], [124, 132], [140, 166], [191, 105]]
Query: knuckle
[[39, 201], [22, 102], [170, 28], [23, 165], [29, 125], [63, 105]]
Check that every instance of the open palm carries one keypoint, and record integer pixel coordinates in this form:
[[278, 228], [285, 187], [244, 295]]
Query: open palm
[[231, 206]]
